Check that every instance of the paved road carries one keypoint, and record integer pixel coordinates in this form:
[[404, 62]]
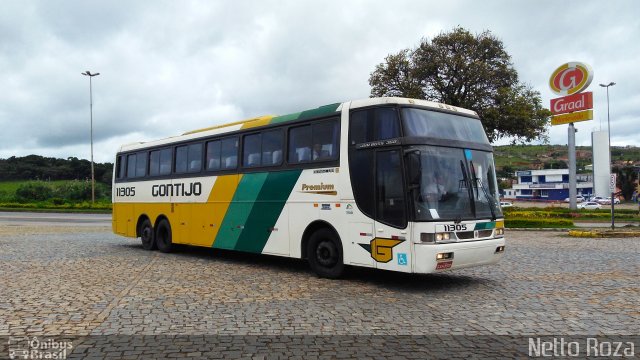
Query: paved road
[[88, 282], [52, 219]]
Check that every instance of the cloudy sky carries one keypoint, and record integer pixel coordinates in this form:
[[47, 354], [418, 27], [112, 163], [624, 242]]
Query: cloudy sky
[[167, 67]]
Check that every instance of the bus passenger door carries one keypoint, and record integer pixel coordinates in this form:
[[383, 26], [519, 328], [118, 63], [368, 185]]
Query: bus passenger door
[[391, 245]]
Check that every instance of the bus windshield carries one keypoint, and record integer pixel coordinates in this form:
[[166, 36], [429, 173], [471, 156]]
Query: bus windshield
[[456, 184], [427, 123]]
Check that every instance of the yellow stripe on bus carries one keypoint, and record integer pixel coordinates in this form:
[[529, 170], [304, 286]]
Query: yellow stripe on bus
[[218, 203], [261, 121]]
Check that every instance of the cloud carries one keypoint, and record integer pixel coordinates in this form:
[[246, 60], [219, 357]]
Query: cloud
[[174, 66]]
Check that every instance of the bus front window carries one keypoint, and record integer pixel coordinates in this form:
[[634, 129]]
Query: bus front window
[[456, 184]]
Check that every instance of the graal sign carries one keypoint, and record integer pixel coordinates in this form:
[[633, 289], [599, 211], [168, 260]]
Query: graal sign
[[576, 102], [571, 78]]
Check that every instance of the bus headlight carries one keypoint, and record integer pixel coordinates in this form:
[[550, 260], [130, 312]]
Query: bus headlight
[[499, 231], [432, 238]]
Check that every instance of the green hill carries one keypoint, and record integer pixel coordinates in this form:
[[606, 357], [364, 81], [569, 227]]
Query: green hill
[[526, 157]]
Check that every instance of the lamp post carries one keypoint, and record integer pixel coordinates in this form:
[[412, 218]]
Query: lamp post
[[93, 180], [613, 189]]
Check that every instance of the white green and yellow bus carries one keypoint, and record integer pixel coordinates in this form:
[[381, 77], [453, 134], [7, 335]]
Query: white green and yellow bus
[[388, 183]]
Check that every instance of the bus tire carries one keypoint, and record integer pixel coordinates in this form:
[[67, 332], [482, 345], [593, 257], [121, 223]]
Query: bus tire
[[324, 254], [163, 236], [147, 235]]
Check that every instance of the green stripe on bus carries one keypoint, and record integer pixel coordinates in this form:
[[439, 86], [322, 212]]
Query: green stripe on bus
[[307, 114], [485, 225], [321, 111], [239, 209], [284, 118], [267, 210]]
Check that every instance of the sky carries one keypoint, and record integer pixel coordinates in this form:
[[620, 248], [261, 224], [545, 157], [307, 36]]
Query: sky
[[167, 67]]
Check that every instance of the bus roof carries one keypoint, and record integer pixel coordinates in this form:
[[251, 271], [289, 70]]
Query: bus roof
[[325, 110]]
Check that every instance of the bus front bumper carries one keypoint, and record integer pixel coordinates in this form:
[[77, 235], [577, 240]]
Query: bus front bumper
[[431, 258]]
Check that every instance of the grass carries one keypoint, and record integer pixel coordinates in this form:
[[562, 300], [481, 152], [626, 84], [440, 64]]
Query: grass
[[10, 202], [55, 210], [8, 189]]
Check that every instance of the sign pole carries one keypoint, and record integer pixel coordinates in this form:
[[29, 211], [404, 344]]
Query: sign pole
[[612, 187], [572, 167]]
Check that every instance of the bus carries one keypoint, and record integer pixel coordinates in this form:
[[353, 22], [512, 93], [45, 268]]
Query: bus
[[387, 183]]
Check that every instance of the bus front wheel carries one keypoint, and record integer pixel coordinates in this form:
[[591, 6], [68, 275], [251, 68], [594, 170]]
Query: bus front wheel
[[163, 236], [147, 235], [325, 254]]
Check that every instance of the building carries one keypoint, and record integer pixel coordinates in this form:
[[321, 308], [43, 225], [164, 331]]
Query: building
[[551, 184], [601, 163]]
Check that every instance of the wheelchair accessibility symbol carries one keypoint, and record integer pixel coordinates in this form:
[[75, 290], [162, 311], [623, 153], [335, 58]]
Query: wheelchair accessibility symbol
[[402, 259]]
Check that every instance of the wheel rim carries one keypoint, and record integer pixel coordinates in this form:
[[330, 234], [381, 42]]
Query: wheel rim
[[327, 253]]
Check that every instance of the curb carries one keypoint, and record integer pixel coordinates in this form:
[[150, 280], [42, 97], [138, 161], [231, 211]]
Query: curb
[[538, 229], [604, 233]]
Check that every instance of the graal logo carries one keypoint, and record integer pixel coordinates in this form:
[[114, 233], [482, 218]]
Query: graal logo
[[38, 348]]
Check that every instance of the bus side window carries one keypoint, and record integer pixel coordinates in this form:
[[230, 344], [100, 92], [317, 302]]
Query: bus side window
[[263, 149], [272, 147], [229, 153], [122, 167], [300, 144], [189, 158], [136, 165], [154, 163], [160, 162], [213, 155], [181, 159], [374, 124], [141, 164], [165, 161], [194, 157], [317, 142], [131, 166], [325, 140], [251, 151]]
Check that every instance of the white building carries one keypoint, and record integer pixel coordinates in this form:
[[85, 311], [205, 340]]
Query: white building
[[551, 184]]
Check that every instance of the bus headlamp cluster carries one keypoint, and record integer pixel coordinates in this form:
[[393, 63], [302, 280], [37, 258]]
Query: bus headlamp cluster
[[431, 238], [499, 231]]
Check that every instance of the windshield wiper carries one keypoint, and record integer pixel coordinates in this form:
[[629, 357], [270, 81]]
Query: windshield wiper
[[465, 178], [491, 199]]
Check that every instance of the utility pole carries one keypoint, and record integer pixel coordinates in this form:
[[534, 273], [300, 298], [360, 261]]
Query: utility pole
[[93, 179]]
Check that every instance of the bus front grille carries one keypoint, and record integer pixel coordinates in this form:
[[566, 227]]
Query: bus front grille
[[464, 235]]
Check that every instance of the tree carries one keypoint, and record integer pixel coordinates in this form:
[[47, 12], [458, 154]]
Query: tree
[[473, 72], [626, 179]]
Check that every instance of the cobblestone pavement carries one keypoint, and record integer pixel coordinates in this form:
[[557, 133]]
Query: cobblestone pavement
[[87, 281]]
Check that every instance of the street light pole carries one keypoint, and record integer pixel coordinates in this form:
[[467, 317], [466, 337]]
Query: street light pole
[[610, 158], [93, 180]]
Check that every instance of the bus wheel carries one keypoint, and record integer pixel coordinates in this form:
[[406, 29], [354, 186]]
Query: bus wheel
[[147, 236], [325, 254], [163, 236]]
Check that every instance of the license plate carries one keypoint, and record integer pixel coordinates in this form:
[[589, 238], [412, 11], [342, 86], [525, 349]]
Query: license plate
[[444, 265]]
